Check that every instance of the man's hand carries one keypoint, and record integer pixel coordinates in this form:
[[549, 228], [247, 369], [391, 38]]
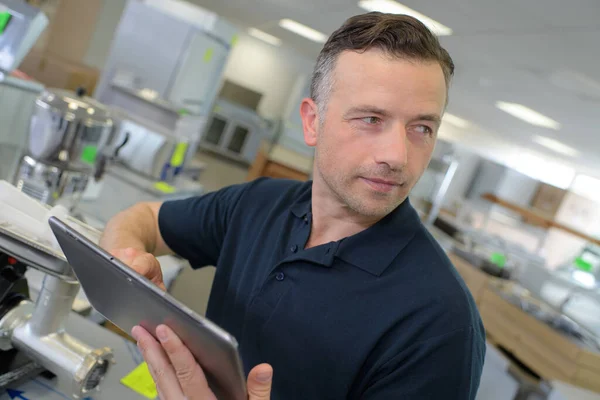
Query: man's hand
[[143, 263], [178, 376]]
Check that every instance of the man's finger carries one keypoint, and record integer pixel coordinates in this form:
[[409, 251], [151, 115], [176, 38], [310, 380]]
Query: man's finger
[[158, 363], [144, 264], [191, 377], [260, 380]]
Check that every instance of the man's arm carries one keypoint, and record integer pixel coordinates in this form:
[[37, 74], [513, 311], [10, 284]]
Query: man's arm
[[136, 228], [193, 228], [446, 367], [133, 236]]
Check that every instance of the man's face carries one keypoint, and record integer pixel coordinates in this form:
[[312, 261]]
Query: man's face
[[379, 131]]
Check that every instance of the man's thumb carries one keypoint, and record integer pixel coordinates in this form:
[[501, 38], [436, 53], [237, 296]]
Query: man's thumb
[[259, 382]]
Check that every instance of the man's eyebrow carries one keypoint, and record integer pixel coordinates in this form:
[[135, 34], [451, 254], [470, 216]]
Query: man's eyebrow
[[380, 111], [368, 110], [429, 117]]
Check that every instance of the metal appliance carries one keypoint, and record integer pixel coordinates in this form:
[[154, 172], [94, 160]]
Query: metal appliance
[[32, 334], [150, 149], [193, 44], [20, 27], [67, 132], [235, 131]]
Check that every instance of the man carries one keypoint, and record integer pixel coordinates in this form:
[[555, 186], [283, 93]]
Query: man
[[334, 284]]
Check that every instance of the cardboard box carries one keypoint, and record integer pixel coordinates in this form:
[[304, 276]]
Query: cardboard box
[[56, 72]]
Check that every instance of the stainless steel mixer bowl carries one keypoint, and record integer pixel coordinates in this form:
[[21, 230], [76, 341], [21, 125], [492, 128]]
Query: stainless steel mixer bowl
[[69, 128]]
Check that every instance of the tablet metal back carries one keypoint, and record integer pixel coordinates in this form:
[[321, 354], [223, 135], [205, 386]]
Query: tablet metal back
[[127, 299]]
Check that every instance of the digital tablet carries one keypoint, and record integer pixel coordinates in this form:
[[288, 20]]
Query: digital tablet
[[127, 299]]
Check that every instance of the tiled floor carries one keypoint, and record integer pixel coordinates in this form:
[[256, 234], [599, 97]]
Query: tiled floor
[[193, 287]]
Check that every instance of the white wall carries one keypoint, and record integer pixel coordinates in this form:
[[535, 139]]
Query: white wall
[[267, 69], [259, 66], [106, 26], [536, 165], [579, 213]]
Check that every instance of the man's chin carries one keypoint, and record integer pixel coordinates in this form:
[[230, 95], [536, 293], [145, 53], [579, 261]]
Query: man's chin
[[376, 210]]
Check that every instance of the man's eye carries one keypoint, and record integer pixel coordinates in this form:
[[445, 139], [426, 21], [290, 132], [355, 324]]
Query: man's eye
[[371, 120], [424, 129]]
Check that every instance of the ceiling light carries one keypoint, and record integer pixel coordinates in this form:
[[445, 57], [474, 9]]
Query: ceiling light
[[265, 37], [303, 30], [393, 7], [528, 115], [556, 146], [456, 121]]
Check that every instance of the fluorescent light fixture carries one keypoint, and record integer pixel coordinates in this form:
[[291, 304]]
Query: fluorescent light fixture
[[556, 146], [528, 115], [303, 30], [265, 37], [456, 121], [393, 7]]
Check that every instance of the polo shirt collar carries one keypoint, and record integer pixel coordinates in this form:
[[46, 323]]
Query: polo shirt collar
[[301, 207], [373, 249]]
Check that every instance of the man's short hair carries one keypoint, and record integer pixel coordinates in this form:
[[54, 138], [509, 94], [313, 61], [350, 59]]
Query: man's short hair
[[399, 36]]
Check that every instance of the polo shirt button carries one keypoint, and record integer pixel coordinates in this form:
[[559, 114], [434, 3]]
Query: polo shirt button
[[294, 248], [280, 276]]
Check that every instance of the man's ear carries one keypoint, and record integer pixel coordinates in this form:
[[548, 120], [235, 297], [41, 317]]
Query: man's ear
[[309, 112]]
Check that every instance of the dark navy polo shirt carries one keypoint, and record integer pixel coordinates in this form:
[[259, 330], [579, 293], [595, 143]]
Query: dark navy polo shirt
[[382, 314]]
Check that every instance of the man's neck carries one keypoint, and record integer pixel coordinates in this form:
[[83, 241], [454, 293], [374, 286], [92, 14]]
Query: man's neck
[[332, 220]]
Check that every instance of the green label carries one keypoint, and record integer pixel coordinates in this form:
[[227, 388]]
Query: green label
[[4, 20], [179, 154], [208, 55], [164, 187], [234, 40], [499, 259], [583, 265], [89, 153]]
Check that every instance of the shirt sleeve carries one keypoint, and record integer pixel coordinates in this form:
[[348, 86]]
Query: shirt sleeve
[[195, 228], [447, 367]]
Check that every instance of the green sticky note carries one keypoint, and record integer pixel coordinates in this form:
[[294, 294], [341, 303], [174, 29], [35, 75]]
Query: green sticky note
[[583, 265], [234, 40], [208, 55], [179, 154], [5, 18], [89, 153], [164, 187], [498, 259]]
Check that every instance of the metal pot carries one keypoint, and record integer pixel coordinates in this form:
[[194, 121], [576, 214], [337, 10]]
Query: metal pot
[[69, 129]]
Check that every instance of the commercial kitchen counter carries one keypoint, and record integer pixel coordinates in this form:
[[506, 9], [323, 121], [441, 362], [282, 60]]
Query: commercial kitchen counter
[[541, 348]]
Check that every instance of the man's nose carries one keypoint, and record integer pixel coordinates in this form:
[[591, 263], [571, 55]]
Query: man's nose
[[392, 148]]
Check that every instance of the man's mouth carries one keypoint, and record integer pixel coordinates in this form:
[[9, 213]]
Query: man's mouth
[[381, 185]]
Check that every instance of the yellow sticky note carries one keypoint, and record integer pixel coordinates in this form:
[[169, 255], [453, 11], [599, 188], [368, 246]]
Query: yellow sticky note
[[139, 380], [164, 187], [179, 154], [208, 55]]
